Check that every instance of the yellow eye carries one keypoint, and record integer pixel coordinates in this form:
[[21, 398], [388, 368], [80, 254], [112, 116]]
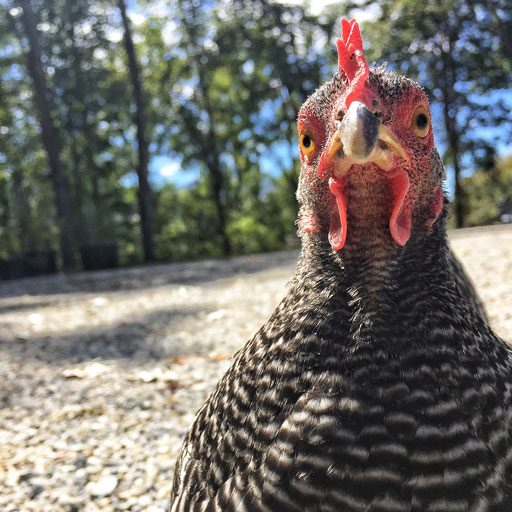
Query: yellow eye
[[307, 144], [420, 121]]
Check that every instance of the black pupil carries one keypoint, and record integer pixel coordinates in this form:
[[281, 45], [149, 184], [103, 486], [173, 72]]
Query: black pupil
[[421, 121], [306, 141]]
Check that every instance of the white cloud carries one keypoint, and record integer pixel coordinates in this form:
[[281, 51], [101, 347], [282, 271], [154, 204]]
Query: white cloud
[[114, 34], [187, 91], [99, 53], [170, 33], [170, 169], [315, 7], [137, 18], [159, 8], [370, 13]]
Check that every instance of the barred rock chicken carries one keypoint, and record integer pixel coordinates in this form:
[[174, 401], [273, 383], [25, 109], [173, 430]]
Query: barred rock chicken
[[377, 384]]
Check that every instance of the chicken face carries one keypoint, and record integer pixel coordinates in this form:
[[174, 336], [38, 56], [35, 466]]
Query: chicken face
[[368, 154]]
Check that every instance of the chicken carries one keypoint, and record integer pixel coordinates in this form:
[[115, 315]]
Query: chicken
[[377, 384]]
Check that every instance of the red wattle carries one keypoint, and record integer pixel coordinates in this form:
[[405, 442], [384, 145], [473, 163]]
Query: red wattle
[[400, 220], [338, 226], [437, 207]]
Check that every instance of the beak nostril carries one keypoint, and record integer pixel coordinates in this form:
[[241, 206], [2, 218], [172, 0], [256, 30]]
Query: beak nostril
[[382, 145]]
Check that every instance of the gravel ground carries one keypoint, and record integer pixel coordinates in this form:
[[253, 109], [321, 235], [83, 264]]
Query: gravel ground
[[101, 373]]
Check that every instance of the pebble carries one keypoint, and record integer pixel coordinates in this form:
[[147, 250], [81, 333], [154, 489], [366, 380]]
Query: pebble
[[105, 486]]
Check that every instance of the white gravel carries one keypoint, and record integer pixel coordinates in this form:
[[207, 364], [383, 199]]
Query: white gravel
[[101, 373]]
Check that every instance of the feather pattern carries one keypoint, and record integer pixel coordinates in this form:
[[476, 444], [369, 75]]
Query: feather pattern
[[340, 404]]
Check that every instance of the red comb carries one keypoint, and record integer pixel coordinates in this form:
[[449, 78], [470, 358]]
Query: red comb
[[351, 59]]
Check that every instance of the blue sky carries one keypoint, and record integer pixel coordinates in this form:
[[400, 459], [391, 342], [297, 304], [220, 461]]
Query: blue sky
[[167, 169]]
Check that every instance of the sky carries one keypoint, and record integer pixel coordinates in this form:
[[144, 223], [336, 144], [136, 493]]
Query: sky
[[168, 168], [165, 169], [317, 6]]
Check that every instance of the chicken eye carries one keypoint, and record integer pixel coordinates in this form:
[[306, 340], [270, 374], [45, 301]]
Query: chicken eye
[[307, 145], [420, 121]]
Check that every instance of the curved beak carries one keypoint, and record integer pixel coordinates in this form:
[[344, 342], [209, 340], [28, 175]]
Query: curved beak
[[358, 132], [362, 138]]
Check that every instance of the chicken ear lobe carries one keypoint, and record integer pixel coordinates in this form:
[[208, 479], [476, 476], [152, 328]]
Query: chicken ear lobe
[[437, 207]]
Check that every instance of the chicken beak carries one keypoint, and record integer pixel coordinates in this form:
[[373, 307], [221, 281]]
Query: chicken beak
[[358, 132], [361, 138], [386, 138]]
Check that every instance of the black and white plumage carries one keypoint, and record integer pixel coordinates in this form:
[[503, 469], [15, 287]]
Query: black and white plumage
[[377, 384]]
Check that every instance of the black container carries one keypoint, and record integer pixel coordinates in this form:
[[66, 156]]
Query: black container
[[38, 263], [99, 256]]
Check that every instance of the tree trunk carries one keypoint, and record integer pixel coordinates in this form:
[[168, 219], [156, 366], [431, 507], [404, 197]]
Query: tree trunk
[[214, 166], [450, 122], [49, 135], [77, 184], [89, 231], [208, 143], [25, 231], [144, 190], [77, 153], [8, 238]]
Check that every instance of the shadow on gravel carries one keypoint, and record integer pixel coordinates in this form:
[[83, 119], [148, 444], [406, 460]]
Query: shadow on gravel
[[146, 338], [21, 306], [144, 277]]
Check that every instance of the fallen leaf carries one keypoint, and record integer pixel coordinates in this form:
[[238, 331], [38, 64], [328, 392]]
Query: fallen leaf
[[219, 356]]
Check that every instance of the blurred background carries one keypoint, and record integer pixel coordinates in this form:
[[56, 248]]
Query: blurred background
[[138, 131]]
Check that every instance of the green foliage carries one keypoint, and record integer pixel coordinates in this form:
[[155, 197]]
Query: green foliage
[[250, 235], [489, 193], [186, 224]]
